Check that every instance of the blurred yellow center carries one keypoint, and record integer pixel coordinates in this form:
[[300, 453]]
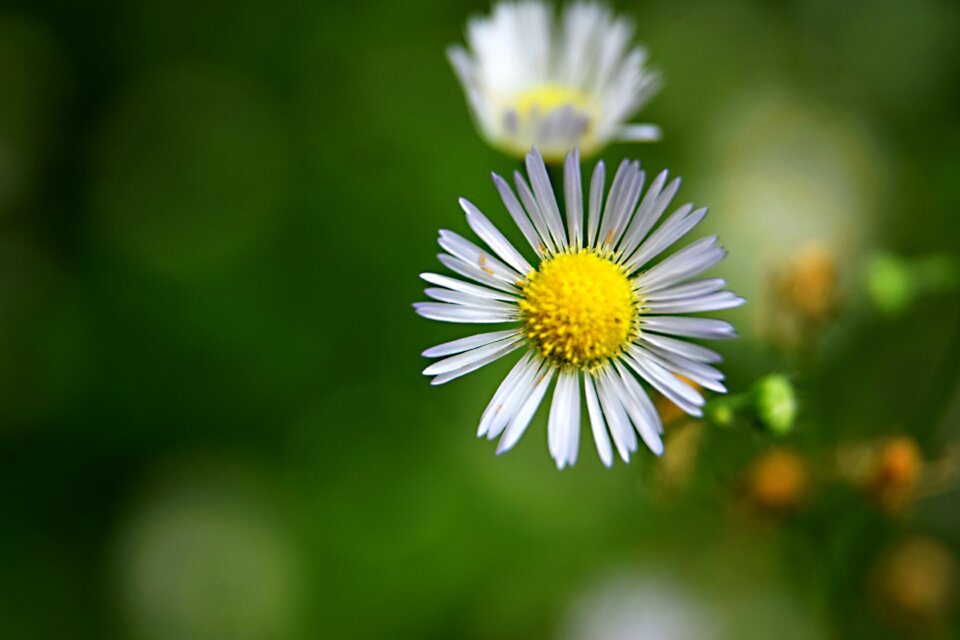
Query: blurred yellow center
[[578, 308], [547, 97]]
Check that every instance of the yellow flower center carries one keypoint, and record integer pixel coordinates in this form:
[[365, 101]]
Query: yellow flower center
[[579, 309], [547, 97]]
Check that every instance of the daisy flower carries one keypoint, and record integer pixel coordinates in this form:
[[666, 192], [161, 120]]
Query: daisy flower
[[532, 80], [601, 311]]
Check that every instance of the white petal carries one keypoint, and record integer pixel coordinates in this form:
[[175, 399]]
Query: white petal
[[677, 391], [639, 394], [533, 209], [686, 263], [666, 197], [583, 24], [573, 197], [516, 398], [706, 328], [649, 212], [675, 227], [624, 437], [454, 362], [470, 253], [557, 420], [573, 429], [519, 215], [710, 302], [563, 428], [540, 181], [454, 313], [639, 133], [688, 290], [494, 239], [621, 179], [597, 425], [522, 419], [470, 342], [475, 273], [516, 384], [682, 348], [466, 287], [597, 184], [472, 360], [627, 89], [468, 299], [703, 374], [466, 71], [629, 196], [642, 413]]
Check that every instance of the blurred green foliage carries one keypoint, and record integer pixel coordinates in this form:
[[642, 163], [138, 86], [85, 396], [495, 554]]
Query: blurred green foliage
[[212, 421]]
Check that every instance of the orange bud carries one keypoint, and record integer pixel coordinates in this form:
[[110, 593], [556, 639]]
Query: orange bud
[[808, 283], [914, 583], [778, 481], [896, 473], [804, 297]]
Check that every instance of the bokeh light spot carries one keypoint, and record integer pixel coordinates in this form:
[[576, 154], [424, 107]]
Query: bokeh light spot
[[205, 557]]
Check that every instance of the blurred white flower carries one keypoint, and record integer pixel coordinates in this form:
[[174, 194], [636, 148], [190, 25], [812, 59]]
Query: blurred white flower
[[203, 555], [647, 606], [593, 308], [533, 80], [790, 174], [675, 601]]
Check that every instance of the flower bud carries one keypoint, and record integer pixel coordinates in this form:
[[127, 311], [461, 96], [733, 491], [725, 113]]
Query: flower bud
[[807, 285], [804, 297], [896, 472], [914, 585], [778, 481], [775, 403]]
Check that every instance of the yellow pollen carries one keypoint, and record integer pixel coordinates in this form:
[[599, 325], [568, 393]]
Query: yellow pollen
[[579, 309], [483, 264]]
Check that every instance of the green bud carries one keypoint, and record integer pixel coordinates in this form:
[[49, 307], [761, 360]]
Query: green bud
[[775, 403]]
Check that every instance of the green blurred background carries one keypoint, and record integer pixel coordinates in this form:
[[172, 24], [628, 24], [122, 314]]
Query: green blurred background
[[212, 418]]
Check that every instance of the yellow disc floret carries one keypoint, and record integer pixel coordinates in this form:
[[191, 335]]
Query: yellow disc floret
[[579, 309], [547, 97], [542, 100]]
